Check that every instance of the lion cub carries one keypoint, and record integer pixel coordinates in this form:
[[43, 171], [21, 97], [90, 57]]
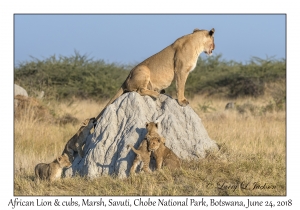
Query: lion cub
[[142, 155], [52, 170], [76, 142], [152, 129], [162, 154]]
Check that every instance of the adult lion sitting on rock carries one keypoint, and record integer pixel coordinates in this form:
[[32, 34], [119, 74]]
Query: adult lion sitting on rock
[[174, 62]]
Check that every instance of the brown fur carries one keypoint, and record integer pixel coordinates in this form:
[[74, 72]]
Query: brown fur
[[76, 142], [152, 129], [164, 156], [142, 155], [174, 62], [156, 144], [52, 171]]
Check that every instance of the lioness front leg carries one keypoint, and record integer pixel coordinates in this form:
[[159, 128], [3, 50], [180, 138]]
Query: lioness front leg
[[180, 78]]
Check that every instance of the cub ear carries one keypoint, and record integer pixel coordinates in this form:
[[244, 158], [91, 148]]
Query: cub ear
[[58, 158], [156, 125], [147, 124], [95, 122], [211, 32], [85, 122]]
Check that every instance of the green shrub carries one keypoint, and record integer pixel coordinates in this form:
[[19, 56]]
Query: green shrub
[[64, 77]]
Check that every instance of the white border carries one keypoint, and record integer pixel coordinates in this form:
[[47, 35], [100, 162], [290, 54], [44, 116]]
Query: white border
[[8, 8]]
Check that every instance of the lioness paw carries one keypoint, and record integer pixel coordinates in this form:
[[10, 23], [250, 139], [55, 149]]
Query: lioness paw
[[184, 102]]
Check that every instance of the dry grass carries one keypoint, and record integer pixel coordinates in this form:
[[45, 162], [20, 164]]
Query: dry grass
[[252, 150]]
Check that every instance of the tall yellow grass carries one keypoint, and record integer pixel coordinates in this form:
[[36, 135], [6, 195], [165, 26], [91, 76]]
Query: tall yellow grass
[[252, 150]]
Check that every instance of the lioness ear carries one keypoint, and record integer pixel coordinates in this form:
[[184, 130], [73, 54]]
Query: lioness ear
[[196, 29], [211, 32]]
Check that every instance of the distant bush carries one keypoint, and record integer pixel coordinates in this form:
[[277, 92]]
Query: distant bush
[[78, 76], [215, 76], [244, 86], [65, 77]]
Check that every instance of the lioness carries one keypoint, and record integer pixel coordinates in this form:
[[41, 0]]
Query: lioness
[[76, 142], [52, 170], [142, 155], [174, 62], [163, 155]]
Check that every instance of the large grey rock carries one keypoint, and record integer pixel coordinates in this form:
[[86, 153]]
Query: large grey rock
[[20, 91], [123, 123]]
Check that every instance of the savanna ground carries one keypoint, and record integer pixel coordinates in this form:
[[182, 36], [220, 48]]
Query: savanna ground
[[251, 137], [251, 159]]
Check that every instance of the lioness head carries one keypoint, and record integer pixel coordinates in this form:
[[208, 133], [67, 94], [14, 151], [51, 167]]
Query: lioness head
[[154, 143], [64, 161], [209, 45]]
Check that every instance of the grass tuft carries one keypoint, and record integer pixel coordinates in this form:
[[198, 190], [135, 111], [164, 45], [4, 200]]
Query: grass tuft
[[252, 153]]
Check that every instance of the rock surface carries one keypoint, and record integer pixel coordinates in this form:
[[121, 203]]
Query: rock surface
[[123, 123], [20, 91]]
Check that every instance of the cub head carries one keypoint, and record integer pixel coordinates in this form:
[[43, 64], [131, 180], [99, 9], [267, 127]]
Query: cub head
[[152, 127], [64, 161], [154, 143], [209, 44], [89, 123]]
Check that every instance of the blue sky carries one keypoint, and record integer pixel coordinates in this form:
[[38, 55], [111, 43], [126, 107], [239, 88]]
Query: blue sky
[[129, 39]]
